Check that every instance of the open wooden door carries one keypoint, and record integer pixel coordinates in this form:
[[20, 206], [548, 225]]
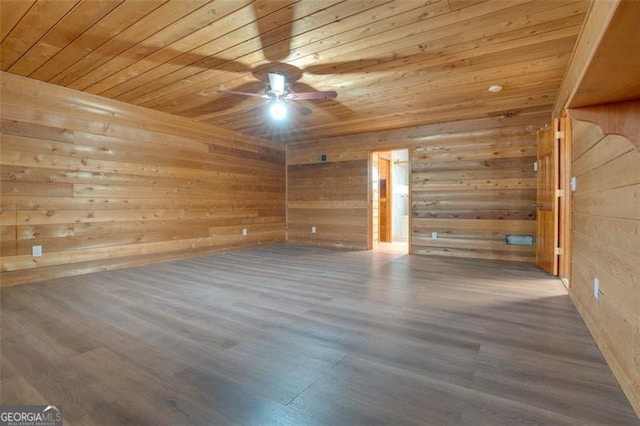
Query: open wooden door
[[547, 249], [385, 200]]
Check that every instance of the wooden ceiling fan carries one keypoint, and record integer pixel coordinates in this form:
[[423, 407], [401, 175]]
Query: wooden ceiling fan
[[279, 95]]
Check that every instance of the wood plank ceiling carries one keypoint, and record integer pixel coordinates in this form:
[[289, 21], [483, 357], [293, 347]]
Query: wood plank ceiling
[[394, 64]]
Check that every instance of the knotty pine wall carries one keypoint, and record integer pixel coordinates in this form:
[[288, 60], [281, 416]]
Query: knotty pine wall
[[101, 184], [606, 245], [472, 182], [332, 197]]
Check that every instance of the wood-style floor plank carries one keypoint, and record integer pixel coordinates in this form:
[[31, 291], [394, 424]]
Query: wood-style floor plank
[[295, 335]]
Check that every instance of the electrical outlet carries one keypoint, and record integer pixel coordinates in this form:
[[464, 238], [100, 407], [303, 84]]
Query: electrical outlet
[[596, 288], [572, 183], [313, 230], [244, 232], [434, 235], [36, 251]]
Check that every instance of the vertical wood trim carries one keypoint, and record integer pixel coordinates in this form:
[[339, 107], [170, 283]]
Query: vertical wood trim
[[410, 249], [286, 198], [389, 211], [564, 238], [370, 240], [548, 197]]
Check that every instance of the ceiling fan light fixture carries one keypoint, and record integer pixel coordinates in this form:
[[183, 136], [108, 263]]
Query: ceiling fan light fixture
[[276, 80], [278, 110]]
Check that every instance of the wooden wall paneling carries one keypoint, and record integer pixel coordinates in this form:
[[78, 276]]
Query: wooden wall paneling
[[323, 195], [461, 187], [472, 182], [100, 185], [606, 245], [472, 238], [80, 114], [339, 149]]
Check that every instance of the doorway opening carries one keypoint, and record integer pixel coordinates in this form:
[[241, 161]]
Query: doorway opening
[[390, 200]]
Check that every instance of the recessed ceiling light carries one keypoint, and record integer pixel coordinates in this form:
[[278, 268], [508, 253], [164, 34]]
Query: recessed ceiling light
[[495, 88]]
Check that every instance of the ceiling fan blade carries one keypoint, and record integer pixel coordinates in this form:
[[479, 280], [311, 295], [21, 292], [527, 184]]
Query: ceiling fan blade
[[302, 110], [276, 80], [257, 107], [233, 92], [332, 106], [330, 94], [212, 104], [274, 28]]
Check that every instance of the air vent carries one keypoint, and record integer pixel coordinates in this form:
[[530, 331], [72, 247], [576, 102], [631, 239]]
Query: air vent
[[519, 240]]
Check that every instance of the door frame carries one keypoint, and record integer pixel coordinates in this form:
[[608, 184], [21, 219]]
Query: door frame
[[564, 204], [560, 130], [370, 154], [388, 196], [547, 197]]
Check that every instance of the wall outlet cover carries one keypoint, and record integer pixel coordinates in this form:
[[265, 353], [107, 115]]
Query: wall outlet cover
[[434, 235], [36, 251], [244, 232]]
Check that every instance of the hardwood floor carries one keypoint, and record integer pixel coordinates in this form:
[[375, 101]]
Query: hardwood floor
[[292, 335]]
